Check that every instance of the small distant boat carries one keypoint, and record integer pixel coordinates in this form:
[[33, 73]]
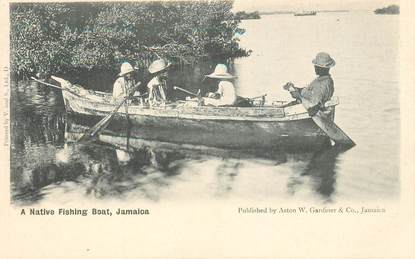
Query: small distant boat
[[305, 13]]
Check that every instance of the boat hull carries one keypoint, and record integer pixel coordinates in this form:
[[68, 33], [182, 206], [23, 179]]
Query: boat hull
[[225, 134], [225, 127]]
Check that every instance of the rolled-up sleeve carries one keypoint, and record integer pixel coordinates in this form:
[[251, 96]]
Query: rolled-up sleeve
[[318, 92]]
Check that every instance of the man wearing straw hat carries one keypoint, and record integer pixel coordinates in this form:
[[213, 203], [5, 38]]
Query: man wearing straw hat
[[225, 95], [320, 90], [157, 85], [125, 83]]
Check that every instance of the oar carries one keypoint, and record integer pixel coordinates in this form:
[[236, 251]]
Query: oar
[[54, 86], [186, 91], [92, 132], [100, 126], [323, 122], [51, 85], [256, 97]]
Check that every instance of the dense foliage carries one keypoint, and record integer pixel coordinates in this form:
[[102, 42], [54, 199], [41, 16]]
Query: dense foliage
[[70, 37]]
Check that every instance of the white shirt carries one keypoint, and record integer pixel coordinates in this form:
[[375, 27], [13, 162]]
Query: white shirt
[[227, 93], [120, 88], [156, 90]]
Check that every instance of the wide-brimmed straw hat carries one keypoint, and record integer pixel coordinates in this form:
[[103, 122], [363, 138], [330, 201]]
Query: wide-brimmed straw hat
[[324, 60], [125, 69], [158, 65], [221, 71]]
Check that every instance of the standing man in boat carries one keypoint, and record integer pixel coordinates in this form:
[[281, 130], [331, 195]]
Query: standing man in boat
[[125, 83], [225, 95], [157, 85], [320, 90]]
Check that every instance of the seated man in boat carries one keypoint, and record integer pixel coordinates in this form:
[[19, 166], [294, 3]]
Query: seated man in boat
[[125, 84], [157, 85], [225, 95], [320, 90]]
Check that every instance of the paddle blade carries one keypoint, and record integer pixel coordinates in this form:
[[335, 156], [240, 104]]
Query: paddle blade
[[101, 125], [93, 132], [333, 131]]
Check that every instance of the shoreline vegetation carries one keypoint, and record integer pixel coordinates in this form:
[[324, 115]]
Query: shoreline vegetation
[[242, 15], [74, 38], [391, 9]]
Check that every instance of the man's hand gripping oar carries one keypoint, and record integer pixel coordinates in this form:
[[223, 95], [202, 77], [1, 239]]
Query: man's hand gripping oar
[[197, 95], [320, 118]]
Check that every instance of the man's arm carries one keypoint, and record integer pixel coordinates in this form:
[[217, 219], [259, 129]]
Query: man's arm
[[312, 100], [134, 89], [295, 93], [117, 90], [295, 102]]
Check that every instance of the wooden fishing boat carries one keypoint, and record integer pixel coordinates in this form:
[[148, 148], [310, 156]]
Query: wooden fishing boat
[[183, 122]]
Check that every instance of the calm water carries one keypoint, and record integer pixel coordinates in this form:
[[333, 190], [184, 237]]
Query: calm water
[[47, 169]]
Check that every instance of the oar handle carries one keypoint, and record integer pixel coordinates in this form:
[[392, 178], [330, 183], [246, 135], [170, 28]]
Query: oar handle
[[51, 85], [184, 90]]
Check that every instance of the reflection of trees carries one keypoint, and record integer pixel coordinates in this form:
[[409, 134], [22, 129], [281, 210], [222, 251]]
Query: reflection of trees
[[150, 170], [109, 177], [43, 175], [36, 115], [37, 123]]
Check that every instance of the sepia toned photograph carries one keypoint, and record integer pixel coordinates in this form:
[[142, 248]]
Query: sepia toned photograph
[[207, 129], [209, 100]]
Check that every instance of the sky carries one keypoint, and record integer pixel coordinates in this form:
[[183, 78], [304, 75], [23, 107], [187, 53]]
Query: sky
[[290, 5]]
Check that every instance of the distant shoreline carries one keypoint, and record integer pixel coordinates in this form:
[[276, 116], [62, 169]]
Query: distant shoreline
[[292, 12], [333, 11], [242, 15]]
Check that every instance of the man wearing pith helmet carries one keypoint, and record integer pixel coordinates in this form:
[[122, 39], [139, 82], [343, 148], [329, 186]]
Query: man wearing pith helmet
[[125, 83], [321, 89]]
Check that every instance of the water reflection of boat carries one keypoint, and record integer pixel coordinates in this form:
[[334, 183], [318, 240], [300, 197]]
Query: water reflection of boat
[[305, 13], [118, 164], [121, 139], [319, 164], [235, 127]]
